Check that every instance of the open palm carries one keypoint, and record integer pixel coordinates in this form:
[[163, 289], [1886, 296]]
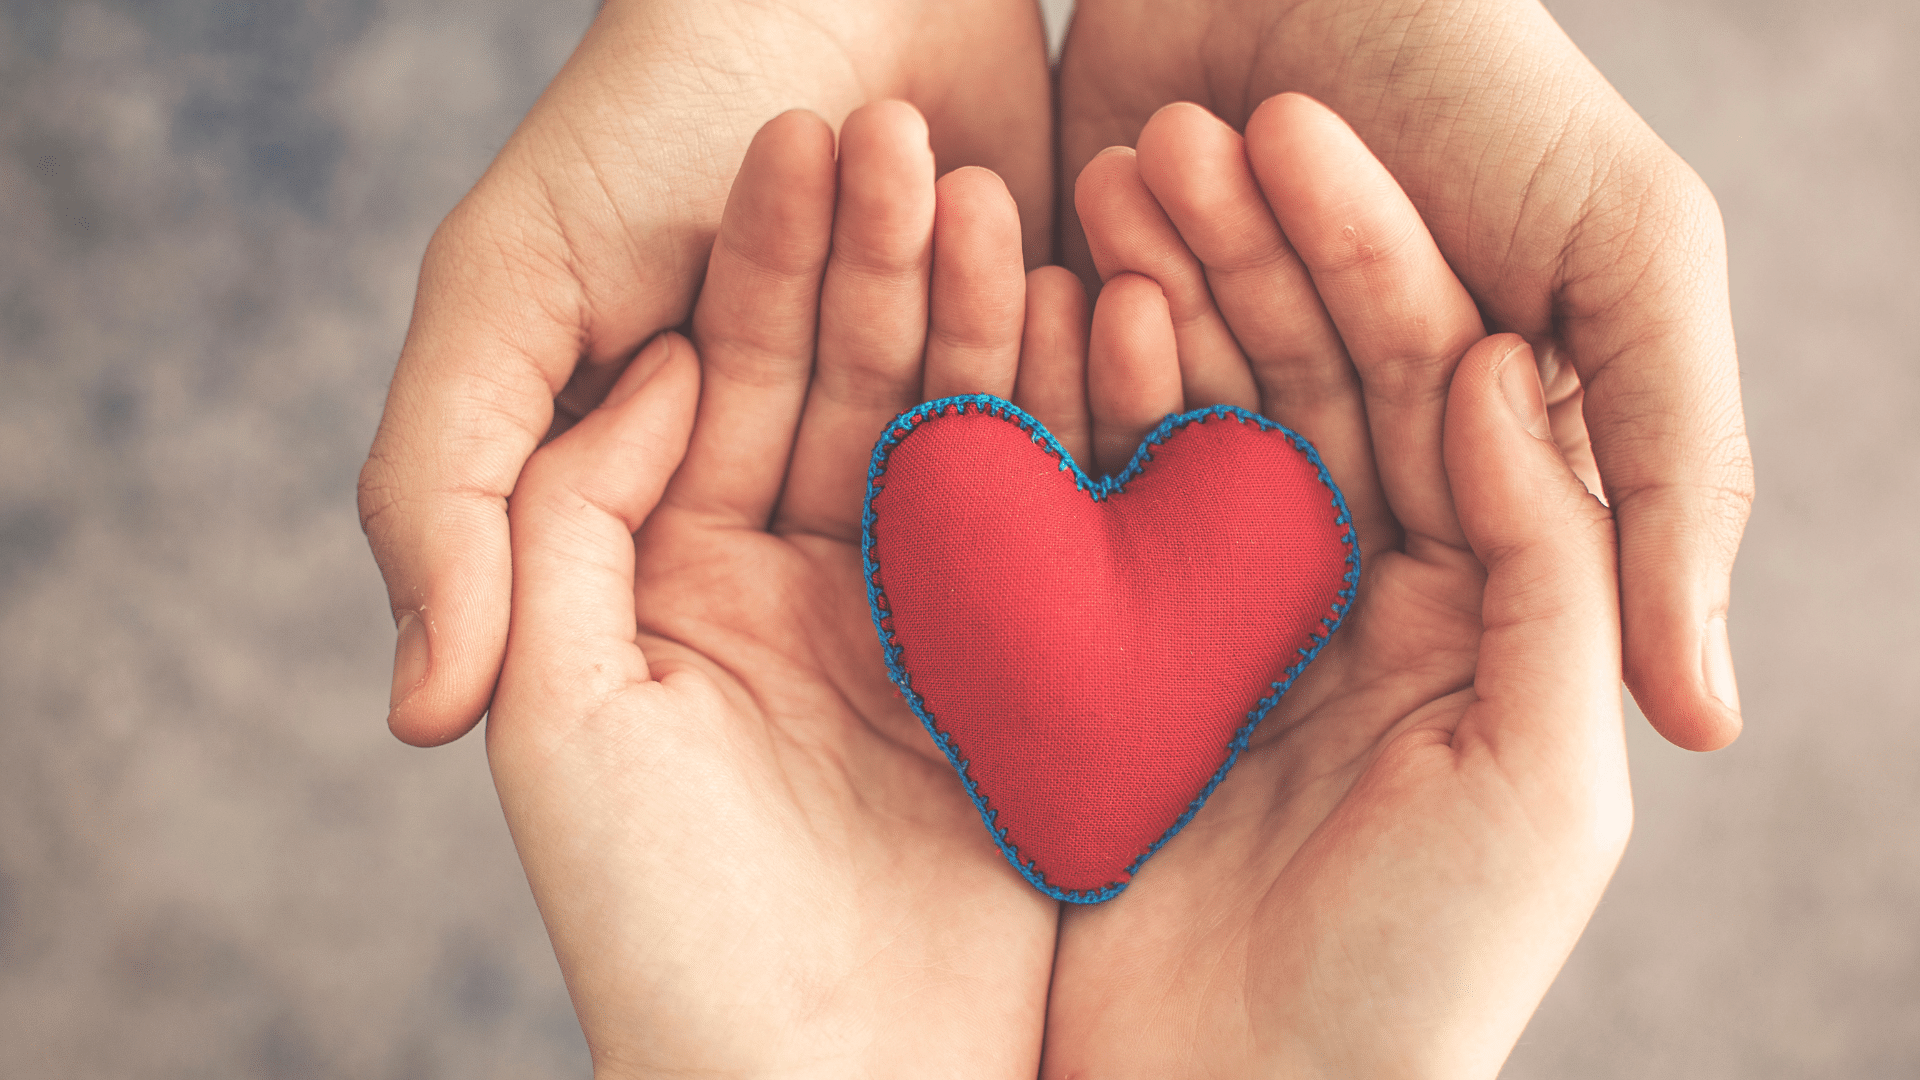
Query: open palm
[[1567, 219], [588, 236], [749, 855], [1397, 866]]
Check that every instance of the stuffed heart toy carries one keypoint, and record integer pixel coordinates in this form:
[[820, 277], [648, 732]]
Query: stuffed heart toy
[[1092, 655]]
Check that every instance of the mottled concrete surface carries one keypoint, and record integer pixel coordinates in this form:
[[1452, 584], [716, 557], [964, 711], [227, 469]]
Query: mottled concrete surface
[[214, 862]]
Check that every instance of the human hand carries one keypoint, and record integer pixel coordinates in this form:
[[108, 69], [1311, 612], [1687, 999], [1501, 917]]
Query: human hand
[[1402, 858], [751, 858], [587, 237], [1566, 218]]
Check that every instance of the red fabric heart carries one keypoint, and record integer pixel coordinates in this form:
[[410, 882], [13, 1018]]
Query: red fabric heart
[[1093, 654]]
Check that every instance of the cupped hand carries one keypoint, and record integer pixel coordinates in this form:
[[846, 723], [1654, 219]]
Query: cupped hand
[[1396, 868], [1566, 218], [751, 858], [588, 236]]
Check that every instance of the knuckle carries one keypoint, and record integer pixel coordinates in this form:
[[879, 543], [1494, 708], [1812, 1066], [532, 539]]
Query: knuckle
[[375, 493], [1370, 248]]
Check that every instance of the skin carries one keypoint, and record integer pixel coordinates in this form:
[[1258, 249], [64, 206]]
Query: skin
[[753, 861], [1568, 222], [589, 234], [751, 858], [1565, 217], [1393, 873], [1437, 805]]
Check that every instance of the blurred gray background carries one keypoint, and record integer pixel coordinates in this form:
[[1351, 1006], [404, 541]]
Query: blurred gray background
[[214, 860]]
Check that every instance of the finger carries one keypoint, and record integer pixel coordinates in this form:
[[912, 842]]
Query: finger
[[574, 513], [496, 333], [873, 318], [1547, 682], [755, 322], [1661, 385], [1196, 167], [978, 288], [1128, 232], [1133, 375], [1405, 319], [1052, 384]]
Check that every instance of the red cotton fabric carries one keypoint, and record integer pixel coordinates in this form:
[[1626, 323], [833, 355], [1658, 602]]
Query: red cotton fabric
[[1092, 661]]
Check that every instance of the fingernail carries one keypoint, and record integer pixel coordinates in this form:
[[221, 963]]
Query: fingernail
[[1520, 383], [1716, 663], [409, 657], [639, 371]]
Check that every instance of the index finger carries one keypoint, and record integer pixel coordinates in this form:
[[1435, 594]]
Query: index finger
[[1405, 319]]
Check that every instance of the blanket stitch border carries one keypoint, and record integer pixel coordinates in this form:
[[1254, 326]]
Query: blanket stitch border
[[1099, 490]]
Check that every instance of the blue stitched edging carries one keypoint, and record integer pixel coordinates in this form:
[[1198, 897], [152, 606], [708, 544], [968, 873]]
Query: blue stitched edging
[[1103, 488]]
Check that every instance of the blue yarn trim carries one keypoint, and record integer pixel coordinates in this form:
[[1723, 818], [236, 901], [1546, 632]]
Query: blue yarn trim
[[1103, 488]]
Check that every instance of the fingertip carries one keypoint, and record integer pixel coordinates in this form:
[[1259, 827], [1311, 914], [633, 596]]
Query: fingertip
[[970, 183], [1716, 663], [795, 136], [1702, 725], [1170, 131], [1132, 308], [447, 656], [1103, 168], [977, 291], [1299, 147], [892, 121], [679, 369], [450, 587], [1680, 669], [972, 204], [1057, 280], [799, 120], [1100, 193], [1285, 110], [1510, 487], [643, 367], [778, 220], [620, 456], [1179, 134], [1476, 384], [1133, 366], [670, 388], [1178, 112], [797, 148], [883, 216], [417, 721], [1518, 374], [1495, 397], [1196, 167]]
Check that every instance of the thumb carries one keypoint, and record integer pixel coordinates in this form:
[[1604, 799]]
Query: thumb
[[573, 514], [502, 332], [1547, 681], [471, 398]]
